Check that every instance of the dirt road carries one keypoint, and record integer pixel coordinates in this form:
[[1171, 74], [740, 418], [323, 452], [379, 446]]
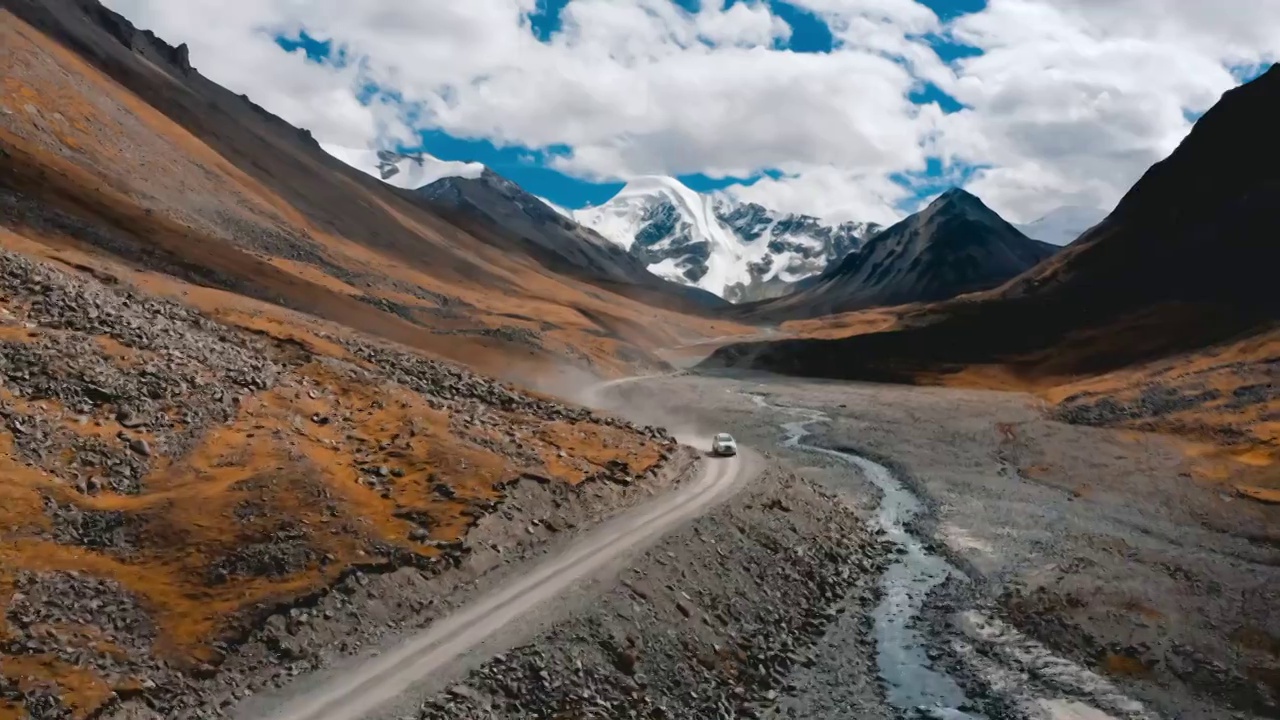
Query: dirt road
[[380, 679]]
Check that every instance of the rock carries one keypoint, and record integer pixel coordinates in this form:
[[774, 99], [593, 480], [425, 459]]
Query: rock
[[462, 691], [187, 375], [626, 661]]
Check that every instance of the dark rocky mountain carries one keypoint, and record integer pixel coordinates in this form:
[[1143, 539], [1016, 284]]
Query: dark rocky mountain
[[185, 279], [257, 207], [954, 246], [1187, 260], [556, 241]]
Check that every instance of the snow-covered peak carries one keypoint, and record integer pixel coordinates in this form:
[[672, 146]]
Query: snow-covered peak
[[1063, 225], [651, 184], [404, 170], [676, 232], [562, 210], [739, 251]]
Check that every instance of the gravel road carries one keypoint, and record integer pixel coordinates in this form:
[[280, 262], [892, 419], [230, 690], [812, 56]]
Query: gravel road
[[364, 687]]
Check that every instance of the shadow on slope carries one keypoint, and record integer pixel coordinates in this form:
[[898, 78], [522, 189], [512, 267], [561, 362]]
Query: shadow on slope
[[136, 153], [1183, 270], [956, 245]]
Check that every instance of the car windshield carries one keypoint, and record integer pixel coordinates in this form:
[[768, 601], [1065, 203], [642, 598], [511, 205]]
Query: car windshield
[[724, 437]]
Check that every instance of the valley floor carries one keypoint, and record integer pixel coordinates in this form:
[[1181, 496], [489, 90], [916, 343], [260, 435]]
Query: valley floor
[[1089, 576], [1098, 543], [1068, 573]]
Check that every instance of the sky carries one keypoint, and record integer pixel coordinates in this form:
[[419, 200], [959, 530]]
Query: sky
[[844, 109]]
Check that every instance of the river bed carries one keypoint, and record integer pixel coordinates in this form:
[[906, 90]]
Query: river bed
[[911, 684]]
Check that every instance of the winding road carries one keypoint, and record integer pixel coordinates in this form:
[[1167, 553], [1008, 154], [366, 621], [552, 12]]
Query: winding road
[[358, 693]]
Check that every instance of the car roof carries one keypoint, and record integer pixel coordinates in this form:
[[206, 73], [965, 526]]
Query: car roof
[[724, 436]]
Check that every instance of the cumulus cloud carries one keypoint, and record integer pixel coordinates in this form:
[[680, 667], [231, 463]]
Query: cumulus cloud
[[1072, 100], [631, 87], [835, 194], [1068, 102]]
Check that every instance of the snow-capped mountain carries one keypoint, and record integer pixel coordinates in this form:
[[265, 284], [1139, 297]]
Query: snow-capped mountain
[[404, 170], [548, 235], [1064, 225], [739, 251]]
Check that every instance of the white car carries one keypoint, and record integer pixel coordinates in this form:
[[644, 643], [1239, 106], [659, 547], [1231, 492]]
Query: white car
[[724, 444]]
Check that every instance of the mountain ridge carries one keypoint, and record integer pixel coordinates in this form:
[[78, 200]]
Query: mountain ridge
[[738, 250], [556, 239], [955, 245], [1165, 316], [262, 369]]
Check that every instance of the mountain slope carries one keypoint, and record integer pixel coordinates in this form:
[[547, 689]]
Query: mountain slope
[[232, 381], [674, 231], [1188, 255], [800, 247], [247, 203], [530, 220], [531, 225], [956, 245], [739, 251], [1063, 225], [1164, 316]]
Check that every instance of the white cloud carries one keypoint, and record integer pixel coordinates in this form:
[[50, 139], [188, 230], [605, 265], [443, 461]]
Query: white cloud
[[830, 193], [888, 27], [632, 86], [233, 44], [1071, 101]]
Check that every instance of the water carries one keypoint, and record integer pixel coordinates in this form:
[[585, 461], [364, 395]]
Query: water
[[911, 684]]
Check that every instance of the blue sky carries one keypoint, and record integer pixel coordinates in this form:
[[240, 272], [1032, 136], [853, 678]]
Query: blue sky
[[1039, 104], [527, 167], [1065, 102]]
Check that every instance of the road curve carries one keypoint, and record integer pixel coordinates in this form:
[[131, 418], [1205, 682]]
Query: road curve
[[366, 687]]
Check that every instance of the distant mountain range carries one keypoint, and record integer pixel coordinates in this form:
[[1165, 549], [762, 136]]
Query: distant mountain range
[[1186, 261], [716, 247], [535, 227], [1063, 225], [956, 245], [739, 251]]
